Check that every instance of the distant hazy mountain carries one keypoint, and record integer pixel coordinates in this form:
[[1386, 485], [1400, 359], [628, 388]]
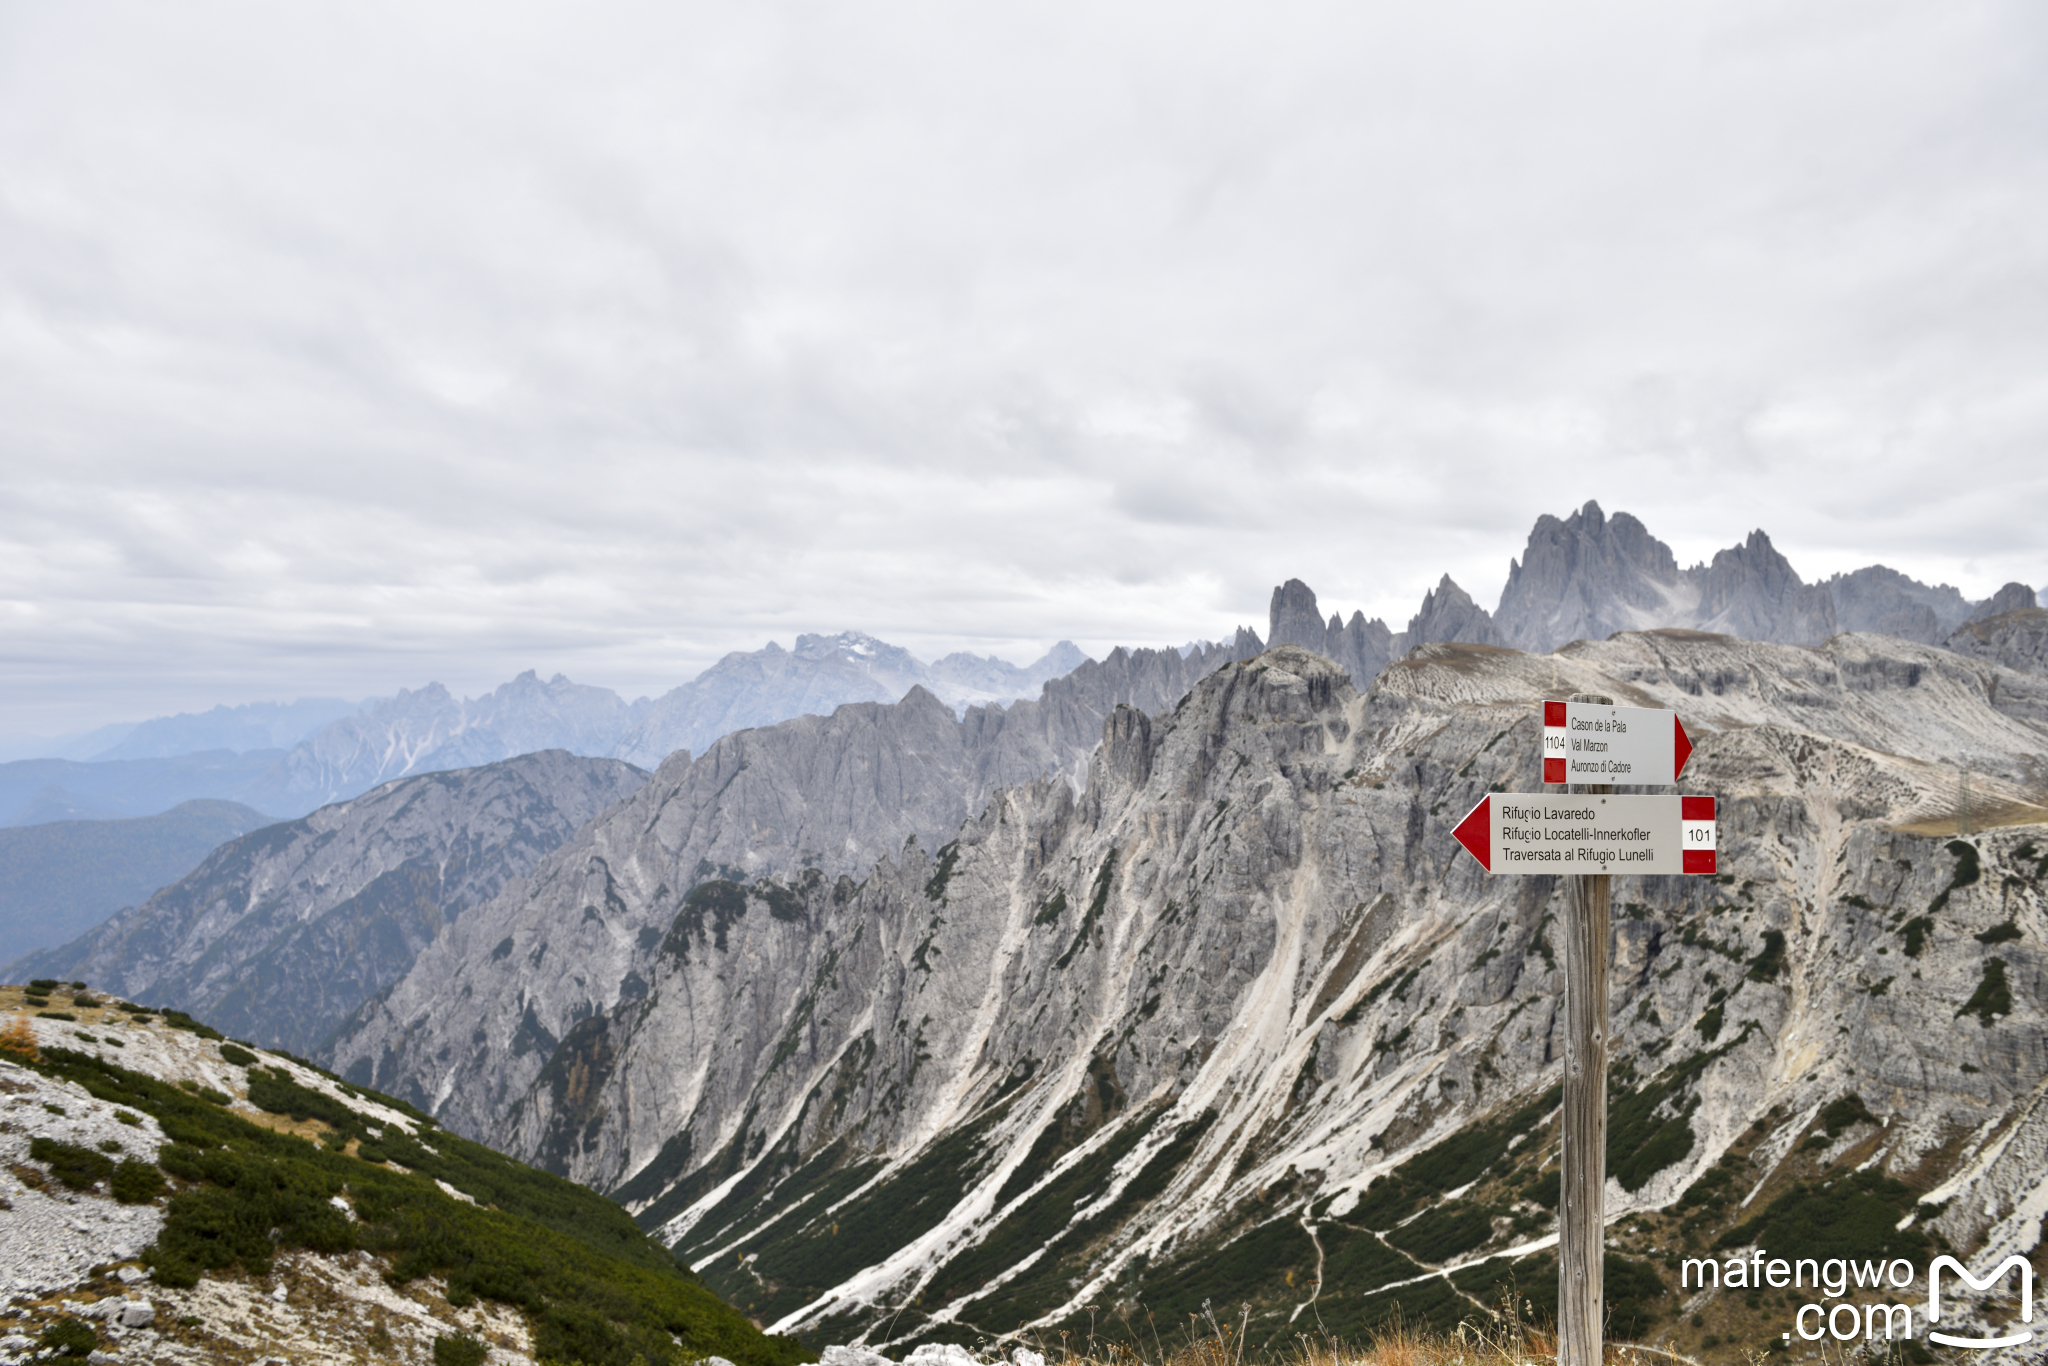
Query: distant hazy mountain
[[288, 758], [38, 790], [280, 934], [60, 879], [253, 725], [429, 730], [762, 687]]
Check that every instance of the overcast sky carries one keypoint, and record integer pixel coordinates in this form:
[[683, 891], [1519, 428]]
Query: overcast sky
[[347, 347]]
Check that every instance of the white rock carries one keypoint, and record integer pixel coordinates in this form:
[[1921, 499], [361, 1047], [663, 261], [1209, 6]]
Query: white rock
[[137, 1314], [853, 1356], [1024, 1356], [941, 1354]]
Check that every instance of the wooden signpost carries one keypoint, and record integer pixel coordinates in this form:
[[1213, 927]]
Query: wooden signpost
[[1583, 835]]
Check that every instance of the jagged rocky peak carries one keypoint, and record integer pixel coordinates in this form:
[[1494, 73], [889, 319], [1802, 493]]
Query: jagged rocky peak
[[1361, 647], [2014, 597], [1448, 613], [1752, 591], [1586, 577]]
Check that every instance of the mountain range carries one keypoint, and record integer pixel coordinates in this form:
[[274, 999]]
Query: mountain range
[[1587, 576], [1234, 1016], [1584, 576], [920, 1022], [281, 933], [288, 758]]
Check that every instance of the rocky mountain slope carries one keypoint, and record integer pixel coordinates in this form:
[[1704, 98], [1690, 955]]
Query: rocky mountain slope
[[828, 794], [279, 934], [1238, 1020], [2017, 639], [61, 878], [169, 1197]]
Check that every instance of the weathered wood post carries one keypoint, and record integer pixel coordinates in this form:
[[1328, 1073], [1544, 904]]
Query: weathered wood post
[[1581, 1228], [1587, 825]]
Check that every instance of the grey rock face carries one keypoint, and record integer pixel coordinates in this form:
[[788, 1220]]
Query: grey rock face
[[1362, 648], [2017, 639], [1242, 975], [1449, 614], [2014, 597], [762, 687], [1887, 602], [1586, 577], [280, 934], [1752, 591], [430, 729], [829, 794]]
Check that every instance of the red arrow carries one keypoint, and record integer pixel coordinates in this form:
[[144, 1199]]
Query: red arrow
[[1475, 832], [1681, 746]]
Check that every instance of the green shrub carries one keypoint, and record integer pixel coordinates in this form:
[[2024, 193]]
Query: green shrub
[[76, 1165], [136, 1182], [56, 1015], [178, 1019], [459, 1349], [273, 1089], [238, 1056], [71, 1338], [43, 986]]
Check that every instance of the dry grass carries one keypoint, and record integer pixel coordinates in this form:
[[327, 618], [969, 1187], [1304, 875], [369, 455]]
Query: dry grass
[[1396, 1347], [1987, 815], [1501, 1339]]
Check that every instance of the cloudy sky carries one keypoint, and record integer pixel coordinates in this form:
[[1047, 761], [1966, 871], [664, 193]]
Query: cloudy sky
[[348, 347]]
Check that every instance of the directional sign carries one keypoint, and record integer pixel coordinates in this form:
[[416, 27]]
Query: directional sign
[[1585, 742], [1645, 833]]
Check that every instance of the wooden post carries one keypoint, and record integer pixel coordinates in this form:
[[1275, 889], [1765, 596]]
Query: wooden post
[[1581, 1228]]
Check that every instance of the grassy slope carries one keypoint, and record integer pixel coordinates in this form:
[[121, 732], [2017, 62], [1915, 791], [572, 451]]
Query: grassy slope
[[596, 1289]]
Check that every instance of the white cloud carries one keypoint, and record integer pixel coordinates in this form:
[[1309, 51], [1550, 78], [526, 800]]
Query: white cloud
[[344, 349]]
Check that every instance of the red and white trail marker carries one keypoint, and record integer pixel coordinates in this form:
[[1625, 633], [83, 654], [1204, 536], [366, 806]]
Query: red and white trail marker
[[1632, 833], [1587, 742]]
